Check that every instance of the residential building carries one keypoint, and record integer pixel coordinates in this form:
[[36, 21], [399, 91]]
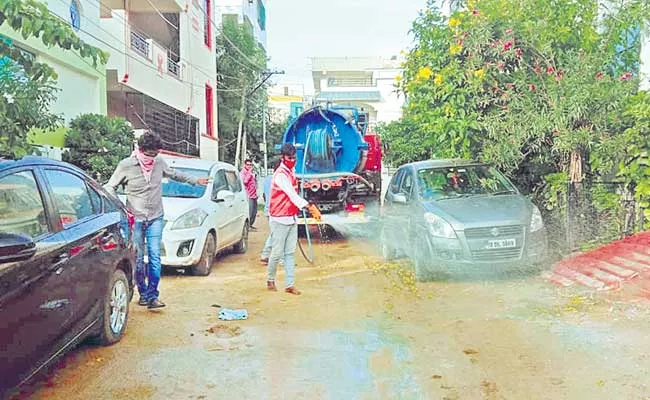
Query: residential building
[[162, 68], [285, 100], [250, 13], [82, 86], [364, 82]]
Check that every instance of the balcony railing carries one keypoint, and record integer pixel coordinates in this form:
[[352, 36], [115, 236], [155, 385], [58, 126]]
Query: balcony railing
[[173, 68], [140, 44], [351, 82]]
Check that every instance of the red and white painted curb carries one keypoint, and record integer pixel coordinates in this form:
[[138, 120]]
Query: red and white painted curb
[[607, 267]]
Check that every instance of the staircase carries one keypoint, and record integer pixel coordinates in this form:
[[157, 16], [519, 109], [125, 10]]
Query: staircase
[[607, 267]]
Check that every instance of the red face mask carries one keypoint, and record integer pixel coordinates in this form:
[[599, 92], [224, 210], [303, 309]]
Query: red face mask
[[290, 163]]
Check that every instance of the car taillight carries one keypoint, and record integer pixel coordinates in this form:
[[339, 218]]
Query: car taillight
[[355, 207]]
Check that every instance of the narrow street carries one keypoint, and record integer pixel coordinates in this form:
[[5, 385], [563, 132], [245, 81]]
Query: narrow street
[[364, 330]]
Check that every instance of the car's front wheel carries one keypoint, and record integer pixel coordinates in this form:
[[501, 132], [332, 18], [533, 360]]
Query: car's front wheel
[[388, 251], [116, 309], [204, 266], [242, 246], [422, 259]]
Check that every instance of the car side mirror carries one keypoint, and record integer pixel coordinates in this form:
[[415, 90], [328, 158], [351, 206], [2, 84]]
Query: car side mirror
[[223, 195], [14, 247], [400, 198]]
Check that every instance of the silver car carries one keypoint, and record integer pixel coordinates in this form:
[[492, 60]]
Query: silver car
[[454, 215]]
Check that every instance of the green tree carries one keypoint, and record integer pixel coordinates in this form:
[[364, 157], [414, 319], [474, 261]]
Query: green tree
[[97, 143], [28, 87], [531, 93], [240, 64]]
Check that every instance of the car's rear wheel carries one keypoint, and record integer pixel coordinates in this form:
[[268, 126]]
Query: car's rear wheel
[[204, 266], [116, 309], [242, 246]]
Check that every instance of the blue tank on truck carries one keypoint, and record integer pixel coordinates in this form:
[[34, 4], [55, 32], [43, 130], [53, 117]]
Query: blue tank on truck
[[338, 162]]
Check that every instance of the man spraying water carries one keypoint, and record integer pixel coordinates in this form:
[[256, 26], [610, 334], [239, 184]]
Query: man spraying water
[[283, 209]]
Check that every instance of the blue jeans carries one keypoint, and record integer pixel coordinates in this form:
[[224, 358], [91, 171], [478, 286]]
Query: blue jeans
[[148, 276]]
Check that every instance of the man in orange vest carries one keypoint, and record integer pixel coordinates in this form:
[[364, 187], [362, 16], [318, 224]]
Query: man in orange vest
[[283, 210]]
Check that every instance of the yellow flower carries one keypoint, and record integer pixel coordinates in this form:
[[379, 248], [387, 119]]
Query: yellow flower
[[398, 78], [424, 73], [479, 73], [455, 49], [454, 22], [437, 79]]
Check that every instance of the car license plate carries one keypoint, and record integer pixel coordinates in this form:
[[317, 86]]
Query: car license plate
[[502, 244]]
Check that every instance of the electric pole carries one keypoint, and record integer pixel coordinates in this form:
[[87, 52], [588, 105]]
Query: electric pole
[[265, 77]]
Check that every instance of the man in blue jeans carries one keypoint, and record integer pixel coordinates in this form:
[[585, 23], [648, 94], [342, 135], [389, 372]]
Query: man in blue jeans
[[142, 174]]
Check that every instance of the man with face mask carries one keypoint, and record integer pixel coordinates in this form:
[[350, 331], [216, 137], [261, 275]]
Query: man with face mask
[[283, 210], [142, 174]]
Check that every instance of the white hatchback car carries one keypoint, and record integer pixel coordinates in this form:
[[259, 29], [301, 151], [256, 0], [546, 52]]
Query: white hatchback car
[[200, 221]]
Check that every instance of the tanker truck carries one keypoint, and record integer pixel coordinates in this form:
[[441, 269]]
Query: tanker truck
[[338, 163]]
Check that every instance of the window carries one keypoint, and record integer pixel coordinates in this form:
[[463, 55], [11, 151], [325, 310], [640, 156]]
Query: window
[[394, 183], [407, 184], [286, 90], [261, 15], [220, 182], [21, 206], [95, 200], [234, 182], [209, 110], [172, 188], [207, 22], [71, 196], [75, 15]]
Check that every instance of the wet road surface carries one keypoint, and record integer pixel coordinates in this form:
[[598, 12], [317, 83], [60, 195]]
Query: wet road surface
[[365, 330]]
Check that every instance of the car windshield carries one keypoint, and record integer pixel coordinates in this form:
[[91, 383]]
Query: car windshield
[[451, 182], [172, 188]]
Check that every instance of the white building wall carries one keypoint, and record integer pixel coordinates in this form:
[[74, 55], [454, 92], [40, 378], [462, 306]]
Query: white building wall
[[185, 93]]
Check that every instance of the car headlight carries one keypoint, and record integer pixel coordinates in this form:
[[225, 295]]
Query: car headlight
[[439, 227], [190, 219], [536, 222]]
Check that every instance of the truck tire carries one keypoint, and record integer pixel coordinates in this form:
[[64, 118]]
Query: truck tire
[[204, 266], [241, 247], [115, 309]]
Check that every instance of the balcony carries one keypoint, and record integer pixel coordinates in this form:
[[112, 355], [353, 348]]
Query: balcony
[[143, 46], [351, 82]]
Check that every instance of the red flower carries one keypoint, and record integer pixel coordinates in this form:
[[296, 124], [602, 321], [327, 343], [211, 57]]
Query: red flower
[[500, 65], [508, 31], [465, 35], [510, 85], [550, 70], [599, 75], [518, 51], [507, 46], [475, 11], [531, 87], [459, 42], [626, 76], [538, 69]]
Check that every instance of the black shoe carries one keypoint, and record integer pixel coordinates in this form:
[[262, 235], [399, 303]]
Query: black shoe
[[155, 304], [252, 228], [143, 302]]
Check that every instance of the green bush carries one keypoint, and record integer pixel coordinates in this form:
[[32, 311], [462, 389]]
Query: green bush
[[97, 143]]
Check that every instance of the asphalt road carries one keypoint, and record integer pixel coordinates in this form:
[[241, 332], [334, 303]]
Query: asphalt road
[[365, 330]]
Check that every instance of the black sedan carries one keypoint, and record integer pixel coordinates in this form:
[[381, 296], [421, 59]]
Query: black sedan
[[66, 265]]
